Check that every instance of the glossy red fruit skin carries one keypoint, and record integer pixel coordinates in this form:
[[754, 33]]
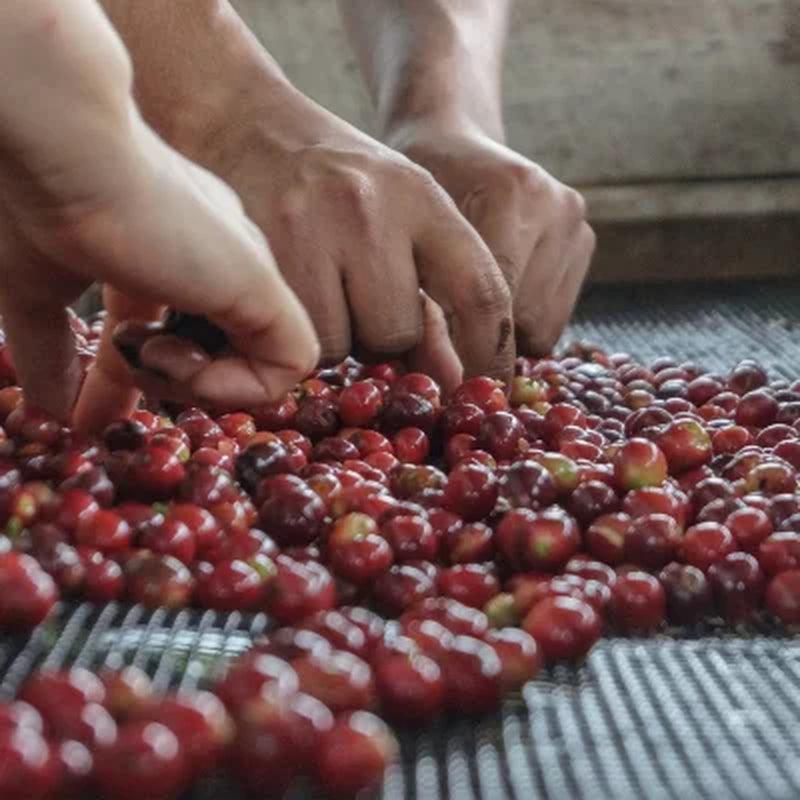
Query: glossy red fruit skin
[[128, 691], [232, 585], [589, 569], [171, 537], [155, 580], [750, 527], [471, 543], [356, 551], [411, 538], [685, 444], [688, 593], [472, 673], [409, 684], [486, 393], [639, 463], [277, 738], [27, 592], [354, 754], [73, 508], [520, 656], [201, 723], [757, 409], [19, 714], [340, 680], [29, 767], [299, 590], [564, 627], [293, 517], [605, 537], [471, 584], [549, 540], [145, 761], [782, 597], [339, 632], [592, 499], [154, 473], [780, 552], [400, 588], [471, 492], [652, 541], [737, 582], [456, 617], [638, 602], [705, 543], [527, 484], [248, 675]]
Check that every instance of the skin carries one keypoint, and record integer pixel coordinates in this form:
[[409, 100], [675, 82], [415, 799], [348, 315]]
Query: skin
[[88, 192], [433, 67], [358, 229]]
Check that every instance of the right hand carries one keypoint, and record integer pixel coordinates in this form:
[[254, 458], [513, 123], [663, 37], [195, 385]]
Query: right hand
[[88, 192]]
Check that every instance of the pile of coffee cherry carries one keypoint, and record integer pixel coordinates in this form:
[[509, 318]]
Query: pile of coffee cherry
[[418, 555]]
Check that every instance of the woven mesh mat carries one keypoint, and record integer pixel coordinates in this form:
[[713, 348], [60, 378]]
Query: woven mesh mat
[[702, 714]]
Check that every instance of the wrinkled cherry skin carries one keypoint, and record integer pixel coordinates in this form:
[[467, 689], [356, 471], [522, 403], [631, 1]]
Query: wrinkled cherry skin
[[564, 627]]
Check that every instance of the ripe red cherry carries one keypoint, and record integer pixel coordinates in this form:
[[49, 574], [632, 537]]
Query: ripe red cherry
[[592, 499], [471, 491], [401, 587], [357, 552], [705, 543], [293, 516], [731, 440], [461, 418], [154, 473], [408, 411], [783, 597], [738, 586], [409, 684], [73, 507], [146, 760], [638, 602], [590, 570], [548, 540], [277, 739], [200, 722], [485, 393], [472, 673], [29, 768], [639, 463], [232, 585], [746, 376], [354, 754], [605, 537], [685, 444], [250, 674], [340, 680], [750, 527], [527, 484], [470, 543], [27, 592], [456, 617], [208, 533], [652, 541], [19, 714], [156, 580], [411, 445], [564, 627], [299, 590], [411, 537], [520, 656], [501, 434], [757, 409], [128, 691], [780, 552], [688, 593], [471, 584]]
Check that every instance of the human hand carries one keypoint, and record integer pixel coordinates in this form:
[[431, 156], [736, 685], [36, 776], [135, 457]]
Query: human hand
[[534, 225], [88, 192]]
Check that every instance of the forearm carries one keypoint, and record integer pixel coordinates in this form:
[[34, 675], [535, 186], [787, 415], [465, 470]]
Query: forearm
[[195, 62], [439, 60]]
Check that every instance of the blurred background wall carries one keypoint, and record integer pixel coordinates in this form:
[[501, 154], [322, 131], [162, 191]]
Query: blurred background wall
[[679, 119]]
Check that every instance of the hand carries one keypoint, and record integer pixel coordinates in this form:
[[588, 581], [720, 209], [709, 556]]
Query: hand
[[357, 229], [535, 226], [88, 192]]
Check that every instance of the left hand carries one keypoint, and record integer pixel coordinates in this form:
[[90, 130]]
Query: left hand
[[534, 225]]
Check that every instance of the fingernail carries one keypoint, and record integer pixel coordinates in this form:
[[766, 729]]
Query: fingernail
[[173, 357]]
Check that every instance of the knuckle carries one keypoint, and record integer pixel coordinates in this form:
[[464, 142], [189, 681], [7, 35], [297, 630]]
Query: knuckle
[[393, 339], [574, 205], [488, 293]]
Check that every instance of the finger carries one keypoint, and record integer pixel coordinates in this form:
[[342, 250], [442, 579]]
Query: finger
[[45, 356], [542, 309], [383, 295], [435, 355], [109, 392], [457, 271], [319, 289]]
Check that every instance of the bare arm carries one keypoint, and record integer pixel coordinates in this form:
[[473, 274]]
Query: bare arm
[[433, 67], [438, 59]]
